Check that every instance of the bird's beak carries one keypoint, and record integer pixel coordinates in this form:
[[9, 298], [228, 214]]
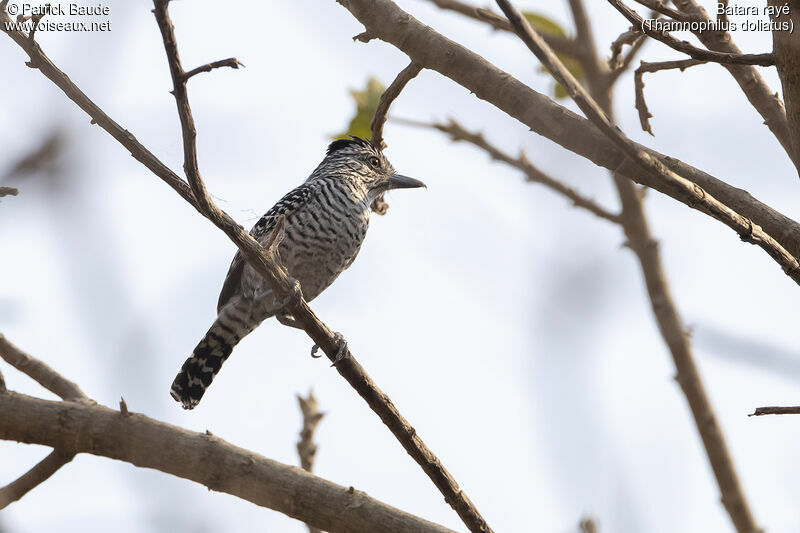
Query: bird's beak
[[404, 182]]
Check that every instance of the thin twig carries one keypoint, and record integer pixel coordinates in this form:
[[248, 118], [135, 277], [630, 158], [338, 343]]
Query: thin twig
[[386, 100], [562, 45], [612, 77], [231, 62], [8, 191], [638, 83], [379, 205], [775, 410], [40, 372], [306, 448], [697, 197], [628, 37], [34, 477], [302, 314], [532, 173], [764, 60], [659, 7]]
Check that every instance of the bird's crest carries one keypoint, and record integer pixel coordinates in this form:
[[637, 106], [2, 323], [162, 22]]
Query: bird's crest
[[340, 144]]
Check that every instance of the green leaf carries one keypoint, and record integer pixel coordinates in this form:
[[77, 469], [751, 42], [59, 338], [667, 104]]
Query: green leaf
[[543, 24], [547, 26], [366, 105]]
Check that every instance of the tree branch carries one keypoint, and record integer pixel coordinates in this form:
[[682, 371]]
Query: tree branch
[[202, 458], [761, 411], [33, 477], [231, 62], [562, 45], [383, 19], [40, 372], [764, 60], [391, 93], [638, 83], [758, 93], [306, 448], [8, 191], [634, 223], [691, 193], [532, 173], [786, 47]]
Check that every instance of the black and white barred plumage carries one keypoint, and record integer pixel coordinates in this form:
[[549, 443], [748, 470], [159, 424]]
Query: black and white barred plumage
[[325, 221]]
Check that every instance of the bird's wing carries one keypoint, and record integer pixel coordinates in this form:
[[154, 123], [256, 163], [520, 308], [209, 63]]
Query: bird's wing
[[292, 201]]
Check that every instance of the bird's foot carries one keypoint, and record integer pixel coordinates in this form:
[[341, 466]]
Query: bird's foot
[[341, 352], [295, 294], [286, 318]]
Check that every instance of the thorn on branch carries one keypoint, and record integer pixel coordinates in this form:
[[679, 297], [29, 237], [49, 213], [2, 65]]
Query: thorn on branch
[[123, 407], [231, 62]]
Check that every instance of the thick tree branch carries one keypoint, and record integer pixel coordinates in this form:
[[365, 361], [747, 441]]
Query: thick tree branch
[[203, 458], [33, 477], [758, 93], [638, 83], [691, 193], [391, 93], [386, 21], [40, 372]]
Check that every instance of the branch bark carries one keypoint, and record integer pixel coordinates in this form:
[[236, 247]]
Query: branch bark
[[33, 477], [384, 20], [203, 458]]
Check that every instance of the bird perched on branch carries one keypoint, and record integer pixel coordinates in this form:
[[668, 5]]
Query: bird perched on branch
[[324, 222]]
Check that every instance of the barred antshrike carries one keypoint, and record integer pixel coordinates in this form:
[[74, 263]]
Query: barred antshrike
[[325, 220]]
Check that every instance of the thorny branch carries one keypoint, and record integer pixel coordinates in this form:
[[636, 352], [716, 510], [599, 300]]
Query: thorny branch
[[391, 93], [638, 83], [302, 314]]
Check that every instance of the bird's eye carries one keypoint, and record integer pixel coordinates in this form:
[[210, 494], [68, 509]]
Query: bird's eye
[[374, 162]]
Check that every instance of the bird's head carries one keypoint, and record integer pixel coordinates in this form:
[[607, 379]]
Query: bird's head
[[357, 159]]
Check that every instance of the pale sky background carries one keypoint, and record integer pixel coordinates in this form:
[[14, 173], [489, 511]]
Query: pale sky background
[[511, 329]]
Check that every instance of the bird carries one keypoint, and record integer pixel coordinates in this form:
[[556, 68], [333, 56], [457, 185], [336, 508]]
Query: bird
[[323, 222]]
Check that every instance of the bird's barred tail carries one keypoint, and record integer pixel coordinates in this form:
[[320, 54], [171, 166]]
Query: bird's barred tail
[[199, 370]]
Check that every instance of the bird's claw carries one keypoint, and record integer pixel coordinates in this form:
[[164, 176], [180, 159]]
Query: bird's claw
[[341, 353], [295, 293]]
